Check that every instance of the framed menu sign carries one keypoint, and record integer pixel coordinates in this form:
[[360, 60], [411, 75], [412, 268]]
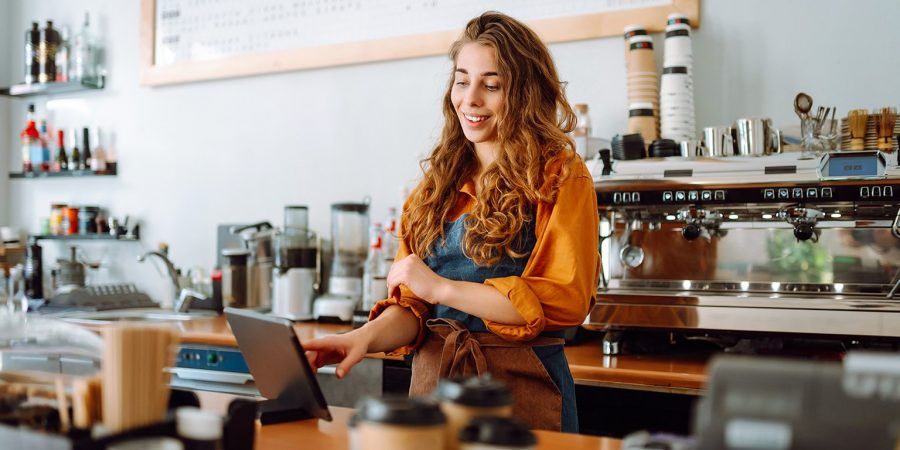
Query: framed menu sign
[[192, 40]]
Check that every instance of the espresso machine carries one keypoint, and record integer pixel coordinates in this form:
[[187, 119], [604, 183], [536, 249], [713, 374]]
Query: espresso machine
[[257, 240], [775, 245]]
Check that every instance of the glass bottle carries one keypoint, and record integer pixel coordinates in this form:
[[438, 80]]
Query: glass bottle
[[32, 64], [49, 42], [98, 157], [390, 234], [582, 131], [374, 278], [76, 163], [86, 157], [31, 140], [44, 156], [85, 53], [18, 302], [62, 160], [63, 56]]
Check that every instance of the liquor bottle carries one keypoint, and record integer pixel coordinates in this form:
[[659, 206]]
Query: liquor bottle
[[76, 163], [374, 276], [86, 148], [63, 56], [44, 156], [582, 131], [62, 161], [49, 42], [31, 140], [390, 234], [98, 155], [85, 53], [32, 42]]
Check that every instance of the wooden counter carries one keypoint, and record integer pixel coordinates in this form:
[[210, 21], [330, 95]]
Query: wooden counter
[[685, 374]]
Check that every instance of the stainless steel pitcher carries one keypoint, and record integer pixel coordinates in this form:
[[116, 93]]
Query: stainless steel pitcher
[[757, 137]]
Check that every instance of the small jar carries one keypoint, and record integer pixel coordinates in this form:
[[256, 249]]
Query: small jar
[[496, 433], [57, 211], [87, 220], [400, 423], [234, 278], [72, 220], [463, 399]]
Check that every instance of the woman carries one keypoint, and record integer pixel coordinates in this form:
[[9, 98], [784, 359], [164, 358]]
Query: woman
[[498, 243]]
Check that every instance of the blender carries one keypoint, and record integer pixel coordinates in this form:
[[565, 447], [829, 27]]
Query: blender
[[349, 239], [297, 267]]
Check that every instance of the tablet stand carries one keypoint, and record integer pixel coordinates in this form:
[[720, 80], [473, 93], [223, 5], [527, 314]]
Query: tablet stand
[[280, 410]]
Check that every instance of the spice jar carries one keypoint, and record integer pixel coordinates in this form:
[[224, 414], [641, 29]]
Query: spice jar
[[400, 423], [57, 211], [463, 399], [71, 220], [496, 433]]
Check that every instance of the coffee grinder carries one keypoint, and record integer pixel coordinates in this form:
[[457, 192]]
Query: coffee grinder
[[295, 278], [349, 239]]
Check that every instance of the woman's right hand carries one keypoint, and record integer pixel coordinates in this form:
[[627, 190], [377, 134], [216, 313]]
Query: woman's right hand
[[345, 350]]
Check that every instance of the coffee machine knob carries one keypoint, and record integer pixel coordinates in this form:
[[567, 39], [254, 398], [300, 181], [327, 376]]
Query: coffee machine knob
[[803, 231], [691, 231]]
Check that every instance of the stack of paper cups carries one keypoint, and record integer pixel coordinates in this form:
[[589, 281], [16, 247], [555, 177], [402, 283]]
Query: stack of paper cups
[[643, 82], [642, 119], [678, 18], [677, 120]]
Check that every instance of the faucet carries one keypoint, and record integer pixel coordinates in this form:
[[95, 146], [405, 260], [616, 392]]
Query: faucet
[[183, 296]]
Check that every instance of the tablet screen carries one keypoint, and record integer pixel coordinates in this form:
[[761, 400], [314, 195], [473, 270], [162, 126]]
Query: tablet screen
[[277, 362]]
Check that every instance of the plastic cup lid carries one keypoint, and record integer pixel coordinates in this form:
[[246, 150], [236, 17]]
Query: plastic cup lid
[[475, 391]]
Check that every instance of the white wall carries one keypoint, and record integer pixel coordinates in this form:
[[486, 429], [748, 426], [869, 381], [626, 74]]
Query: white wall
[[195, 155]]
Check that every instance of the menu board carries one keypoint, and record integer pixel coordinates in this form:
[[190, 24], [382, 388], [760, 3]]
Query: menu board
[[297, 34]]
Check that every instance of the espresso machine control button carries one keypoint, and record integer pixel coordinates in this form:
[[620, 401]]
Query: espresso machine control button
[[812, 193], [864, 192], [783, 194], [889, 191], [667, 196], [626, 197], [720, 195], [876, 191], [826, 192], [636, 197], [769, 194], [706, 195], [691, 231], [679, 196], [693, 196], [797, 192], [617, 197]]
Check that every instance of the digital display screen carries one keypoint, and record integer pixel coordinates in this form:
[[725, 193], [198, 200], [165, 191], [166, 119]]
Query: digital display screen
[[853, 166]]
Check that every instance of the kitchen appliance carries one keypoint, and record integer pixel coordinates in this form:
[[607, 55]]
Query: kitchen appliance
[[69, 273], [295, 279], [773, 244], [349, 240], [234, 277], [258, 240]]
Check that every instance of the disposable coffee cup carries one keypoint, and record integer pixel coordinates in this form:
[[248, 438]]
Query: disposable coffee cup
[[634, 30], [640, 54], [463, 399], [400, 423], [496, 433]]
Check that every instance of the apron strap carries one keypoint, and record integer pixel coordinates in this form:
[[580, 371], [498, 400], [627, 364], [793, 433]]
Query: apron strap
[[462, 349]]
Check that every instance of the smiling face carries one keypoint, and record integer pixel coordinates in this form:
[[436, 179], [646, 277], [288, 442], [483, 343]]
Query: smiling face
[[477, 94]]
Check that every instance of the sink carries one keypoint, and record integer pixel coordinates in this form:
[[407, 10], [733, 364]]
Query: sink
[[135, 315]]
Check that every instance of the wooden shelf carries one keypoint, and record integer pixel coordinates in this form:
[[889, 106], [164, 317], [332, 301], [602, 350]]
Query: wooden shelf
[[28, 90], [65, 174]]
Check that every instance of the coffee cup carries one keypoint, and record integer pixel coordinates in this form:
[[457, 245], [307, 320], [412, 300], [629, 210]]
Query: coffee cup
[[399, 423], [496, 433], [463, 399]]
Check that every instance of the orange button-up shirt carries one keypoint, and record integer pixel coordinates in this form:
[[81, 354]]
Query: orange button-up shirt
[[558, 286]]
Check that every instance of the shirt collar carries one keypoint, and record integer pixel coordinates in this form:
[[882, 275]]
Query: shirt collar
[[468, 187]]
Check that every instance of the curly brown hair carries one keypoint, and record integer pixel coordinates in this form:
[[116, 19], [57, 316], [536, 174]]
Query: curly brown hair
[[531, 133]]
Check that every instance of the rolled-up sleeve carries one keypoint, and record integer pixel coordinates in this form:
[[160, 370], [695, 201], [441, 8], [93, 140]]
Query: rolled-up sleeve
[[420, 308], [559, 283]]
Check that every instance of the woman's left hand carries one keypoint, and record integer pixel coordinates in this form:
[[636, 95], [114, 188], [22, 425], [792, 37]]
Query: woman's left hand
[[417, 276]]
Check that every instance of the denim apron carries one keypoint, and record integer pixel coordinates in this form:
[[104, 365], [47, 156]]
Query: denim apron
[[448, 261]]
